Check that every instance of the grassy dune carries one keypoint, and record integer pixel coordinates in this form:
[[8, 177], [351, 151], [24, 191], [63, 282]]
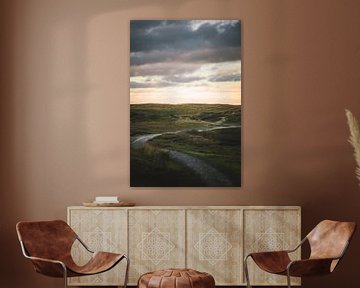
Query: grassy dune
[[155, 118]]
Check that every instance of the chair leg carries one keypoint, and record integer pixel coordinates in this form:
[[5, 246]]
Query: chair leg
[[288, 278], [127, 271], [246, 270], [65, 276]]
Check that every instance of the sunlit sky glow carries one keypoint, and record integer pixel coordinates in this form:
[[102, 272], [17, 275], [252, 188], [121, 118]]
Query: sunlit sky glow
[[185, 61]]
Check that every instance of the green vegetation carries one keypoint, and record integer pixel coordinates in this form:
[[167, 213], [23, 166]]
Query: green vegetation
[[155, 118], [151, 167], [209, 132]]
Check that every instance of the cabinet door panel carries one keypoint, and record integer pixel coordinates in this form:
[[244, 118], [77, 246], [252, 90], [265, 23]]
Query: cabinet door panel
[[157, 240], [100, 230], [214, 244], [270, 230]]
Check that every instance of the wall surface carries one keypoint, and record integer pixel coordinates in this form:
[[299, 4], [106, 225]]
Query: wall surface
[[64, 113]]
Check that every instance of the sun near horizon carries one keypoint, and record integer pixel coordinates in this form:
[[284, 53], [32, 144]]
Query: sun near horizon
[[226, 93]]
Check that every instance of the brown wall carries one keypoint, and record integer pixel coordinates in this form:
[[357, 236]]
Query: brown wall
[[64, 112]]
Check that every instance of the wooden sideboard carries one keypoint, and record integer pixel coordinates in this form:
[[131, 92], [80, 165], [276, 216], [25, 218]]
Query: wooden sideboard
[[213, 239]]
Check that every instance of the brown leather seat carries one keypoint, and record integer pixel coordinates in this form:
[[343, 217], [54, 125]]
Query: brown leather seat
[[328, 242], [48, 245], [176, 278]]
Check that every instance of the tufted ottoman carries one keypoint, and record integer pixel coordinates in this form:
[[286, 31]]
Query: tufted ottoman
[[176, 278]]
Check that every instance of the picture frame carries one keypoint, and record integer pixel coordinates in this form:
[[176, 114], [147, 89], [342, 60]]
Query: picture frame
[[185, 103]]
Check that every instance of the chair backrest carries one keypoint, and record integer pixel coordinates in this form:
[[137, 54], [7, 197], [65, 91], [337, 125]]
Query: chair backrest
[[329, 239], [46, 239]]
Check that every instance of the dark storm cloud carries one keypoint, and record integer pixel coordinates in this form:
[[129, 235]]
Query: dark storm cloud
[[182, 78], [207, 55], [221, 54], [165, 81], [225, 78], [150, 35], [163, 69], [158, 84], [176, 51], [155, 56]]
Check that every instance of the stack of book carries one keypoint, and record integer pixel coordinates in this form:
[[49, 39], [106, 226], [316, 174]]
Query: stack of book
[[106, 199]]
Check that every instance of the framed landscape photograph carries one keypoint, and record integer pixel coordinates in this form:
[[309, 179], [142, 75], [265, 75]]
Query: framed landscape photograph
[[185, 103]]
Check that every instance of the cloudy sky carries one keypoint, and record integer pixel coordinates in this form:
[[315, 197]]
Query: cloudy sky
[[185, 61]]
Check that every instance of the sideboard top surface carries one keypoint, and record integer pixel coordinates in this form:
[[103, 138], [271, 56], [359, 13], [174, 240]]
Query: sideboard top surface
[[193, 207]]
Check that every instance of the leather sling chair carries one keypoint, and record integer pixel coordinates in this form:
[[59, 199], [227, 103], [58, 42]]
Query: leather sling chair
[[328, 242], [48, 245]]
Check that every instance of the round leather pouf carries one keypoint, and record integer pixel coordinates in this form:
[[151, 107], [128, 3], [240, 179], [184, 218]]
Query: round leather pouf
[[176, 278]]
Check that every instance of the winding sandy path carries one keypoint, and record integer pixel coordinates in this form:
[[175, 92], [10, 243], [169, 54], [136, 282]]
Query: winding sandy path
[[139, 141], [211, 176]]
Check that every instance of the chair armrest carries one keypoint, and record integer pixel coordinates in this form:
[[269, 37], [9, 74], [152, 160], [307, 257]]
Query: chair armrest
[[48, 267], [298, 246], [309, 267], [83, 244], [269, 252], [280, 251], [45, 260], [271, 261]]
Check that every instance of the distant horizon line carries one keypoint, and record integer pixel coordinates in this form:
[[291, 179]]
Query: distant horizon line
[[185, 103]]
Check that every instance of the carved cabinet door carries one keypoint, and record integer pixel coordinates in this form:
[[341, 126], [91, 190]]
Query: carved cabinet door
[[156, 240], [271, 230], [101, 230], [214, 244]]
